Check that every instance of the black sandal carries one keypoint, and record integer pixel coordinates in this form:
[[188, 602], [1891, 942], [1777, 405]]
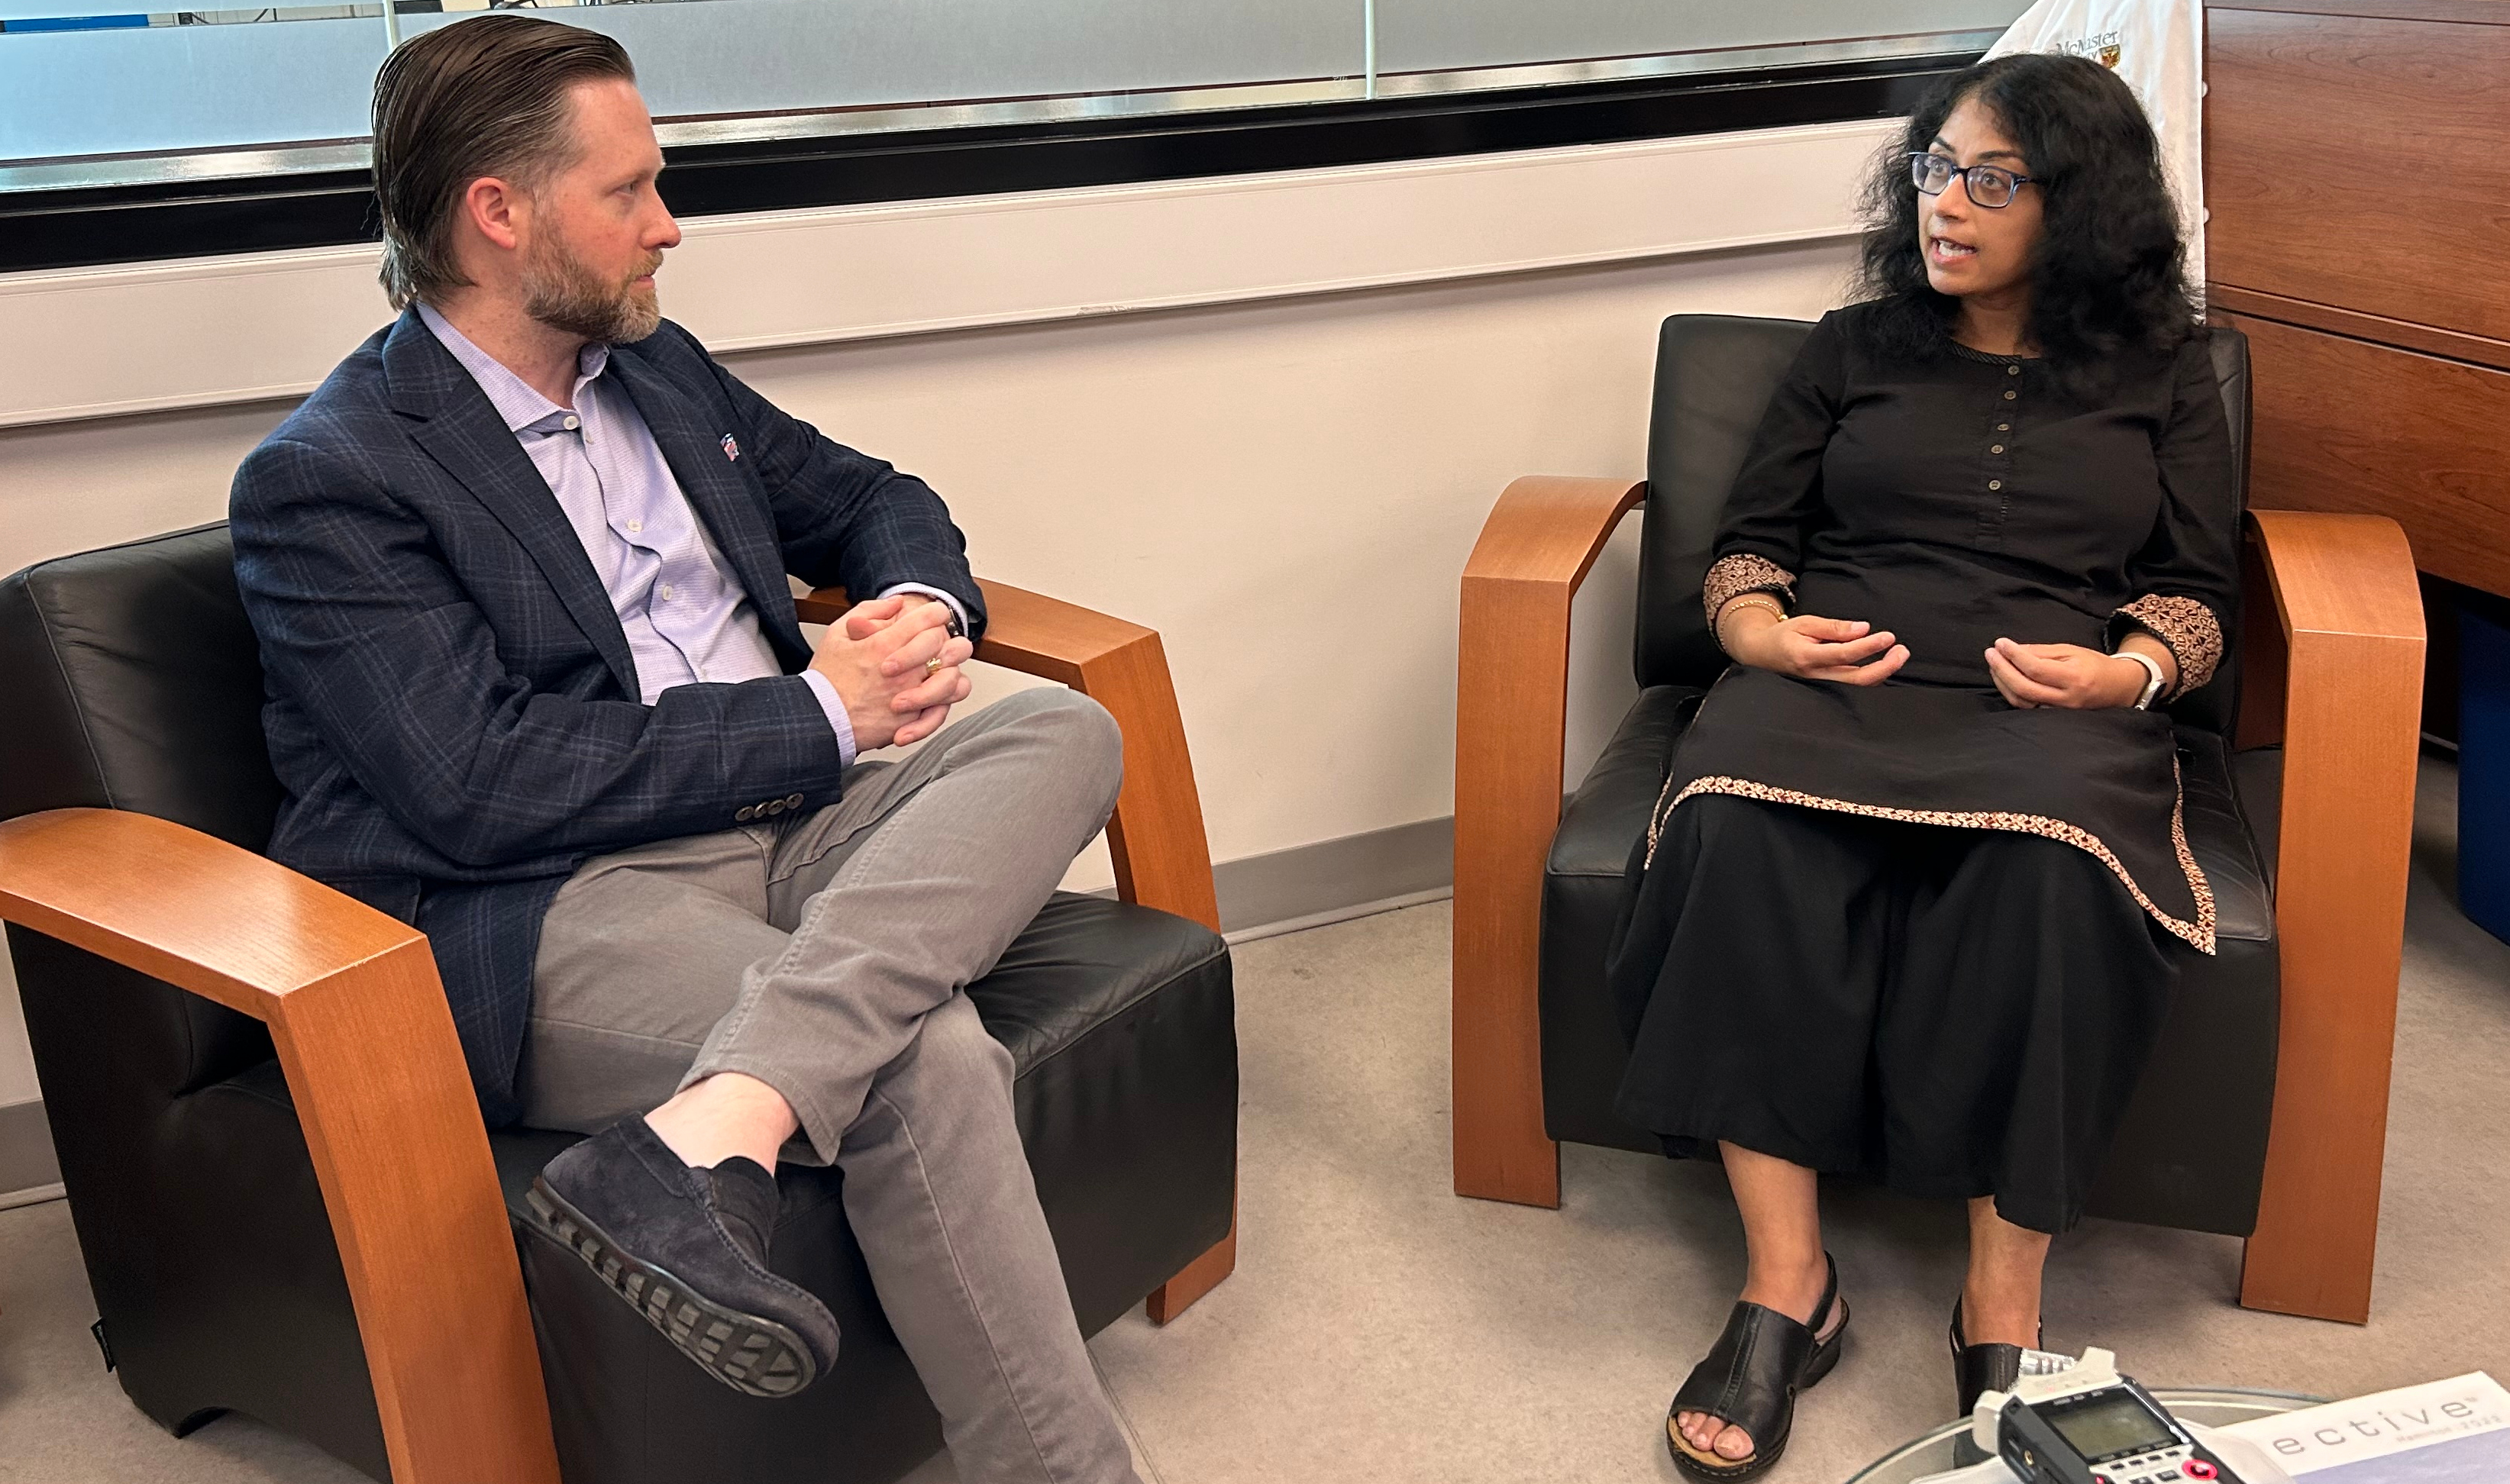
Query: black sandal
[[1981, 1368], [1751, 1379]]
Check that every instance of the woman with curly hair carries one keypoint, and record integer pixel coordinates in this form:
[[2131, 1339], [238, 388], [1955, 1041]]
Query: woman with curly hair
[[1916, 896]]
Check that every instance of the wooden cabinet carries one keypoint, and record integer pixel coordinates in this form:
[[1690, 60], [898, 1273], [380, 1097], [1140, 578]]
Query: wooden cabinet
[[2346, 424], [2358, 171]]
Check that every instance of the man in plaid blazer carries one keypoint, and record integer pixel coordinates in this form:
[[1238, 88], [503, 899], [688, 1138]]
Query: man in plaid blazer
[[519, 573]]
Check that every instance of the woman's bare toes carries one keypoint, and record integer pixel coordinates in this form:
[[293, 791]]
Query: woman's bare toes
[[1735, 1444], [1707, 1434]]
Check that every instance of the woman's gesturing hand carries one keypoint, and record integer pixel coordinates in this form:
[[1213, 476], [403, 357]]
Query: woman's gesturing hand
[[1811, 648], [2065, 675]]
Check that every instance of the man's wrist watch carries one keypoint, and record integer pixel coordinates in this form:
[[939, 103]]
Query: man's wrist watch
[[2152, 684], [956, 628]]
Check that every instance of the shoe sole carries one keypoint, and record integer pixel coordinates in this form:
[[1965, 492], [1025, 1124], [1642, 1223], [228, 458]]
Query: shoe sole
[[752, 1355]]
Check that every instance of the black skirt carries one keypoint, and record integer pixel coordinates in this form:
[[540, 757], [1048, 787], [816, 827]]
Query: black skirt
[[1954, 1011]]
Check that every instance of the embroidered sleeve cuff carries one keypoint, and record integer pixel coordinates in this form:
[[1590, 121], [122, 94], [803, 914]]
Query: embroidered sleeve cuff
[[2186, 626], [1730, 577]]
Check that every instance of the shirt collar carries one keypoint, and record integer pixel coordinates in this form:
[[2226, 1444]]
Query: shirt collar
[[522, 408]]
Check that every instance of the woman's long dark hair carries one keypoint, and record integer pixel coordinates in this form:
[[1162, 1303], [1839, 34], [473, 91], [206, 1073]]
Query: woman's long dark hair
[[2108, 275]]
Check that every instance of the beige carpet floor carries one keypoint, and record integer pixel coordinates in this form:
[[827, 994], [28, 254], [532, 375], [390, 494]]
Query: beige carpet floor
[[1380, 1329]]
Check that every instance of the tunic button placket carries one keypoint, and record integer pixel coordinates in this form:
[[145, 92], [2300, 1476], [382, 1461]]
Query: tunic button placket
[[1997, 486]]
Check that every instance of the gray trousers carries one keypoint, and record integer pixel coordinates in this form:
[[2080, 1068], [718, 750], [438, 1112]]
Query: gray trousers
[[827, 956]]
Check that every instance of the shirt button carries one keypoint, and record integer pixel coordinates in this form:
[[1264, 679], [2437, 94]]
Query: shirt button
[[1996, 448], [2009, 396], [666, 592], [572, 425], [1995, 484], [2013, 370], [635, 527], [2004, 426]]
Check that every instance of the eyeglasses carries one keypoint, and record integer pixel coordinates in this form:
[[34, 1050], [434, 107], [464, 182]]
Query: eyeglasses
[[1988, 185]]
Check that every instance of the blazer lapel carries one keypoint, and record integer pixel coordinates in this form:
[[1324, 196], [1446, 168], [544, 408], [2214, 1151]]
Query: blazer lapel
[[461, 430], [729, 505]]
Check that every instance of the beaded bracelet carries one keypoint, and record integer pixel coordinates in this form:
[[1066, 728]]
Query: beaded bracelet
[[1750, 600]]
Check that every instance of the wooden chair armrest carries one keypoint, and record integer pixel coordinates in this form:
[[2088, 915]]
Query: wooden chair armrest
[[1511, 712], [2332, 660], [368, 1045], [1162, 858]]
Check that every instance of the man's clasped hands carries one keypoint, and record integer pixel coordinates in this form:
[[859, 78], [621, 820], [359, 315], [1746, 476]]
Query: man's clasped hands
[[879, 656]]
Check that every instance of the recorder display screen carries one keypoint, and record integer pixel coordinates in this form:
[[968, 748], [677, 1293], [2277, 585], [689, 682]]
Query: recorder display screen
[[2110, 1426]]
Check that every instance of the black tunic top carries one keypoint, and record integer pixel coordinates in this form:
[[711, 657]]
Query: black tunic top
[[1954, 500]]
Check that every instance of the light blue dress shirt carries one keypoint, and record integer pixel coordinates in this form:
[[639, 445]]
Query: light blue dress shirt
[[686, 617]]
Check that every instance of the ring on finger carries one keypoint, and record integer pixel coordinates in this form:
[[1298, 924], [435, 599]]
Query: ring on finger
[[932, 666]]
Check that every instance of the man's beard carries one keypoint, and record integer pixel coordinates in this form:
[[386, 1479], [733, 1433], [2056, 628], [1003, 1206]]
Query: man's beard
[[562, 293]]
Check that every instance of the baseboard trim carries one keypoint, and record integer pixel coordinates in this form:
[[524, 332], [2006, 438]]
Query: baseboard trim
[[1328, 918], [28, 1171], [1307, 886]]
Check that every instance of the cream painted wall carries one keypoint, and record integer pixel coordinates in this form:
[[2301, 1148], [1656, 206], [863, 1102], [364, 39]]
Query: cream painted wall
[[1287, 489]]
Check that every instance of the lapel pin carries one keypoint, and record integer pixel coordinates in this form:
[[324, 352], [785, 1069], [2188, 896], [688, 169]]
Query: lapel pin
[[731, 448]]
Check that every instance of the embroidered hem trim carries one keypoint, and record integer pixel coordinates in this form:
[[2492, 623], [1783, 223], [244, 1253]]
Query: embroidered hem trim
[[2198, 933], [2188, 627]]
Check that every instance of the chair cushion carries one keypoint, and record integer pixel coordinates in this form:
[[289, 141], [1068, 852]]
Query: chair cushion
[[135, 682], [1120, 1024], [2222, 839], [1714, 375], [1583, 892]]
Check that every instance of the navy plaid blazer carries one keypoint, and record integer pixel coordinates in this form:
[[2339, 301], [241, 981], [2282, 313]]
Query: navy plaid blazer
[[451, 704]]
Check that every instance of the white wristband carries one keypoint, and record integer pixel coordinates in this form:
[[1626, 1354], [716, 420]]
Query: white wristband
[[2153, 687]]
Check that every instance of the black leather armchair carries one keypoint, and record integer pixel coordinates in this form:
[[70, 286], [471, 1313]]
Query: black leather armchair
[[2263, 1113], [285, 1198]]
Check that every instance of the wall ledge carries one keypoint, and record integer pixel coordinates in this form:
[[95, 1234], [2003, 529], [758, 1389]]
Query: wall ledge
[[151, 338]]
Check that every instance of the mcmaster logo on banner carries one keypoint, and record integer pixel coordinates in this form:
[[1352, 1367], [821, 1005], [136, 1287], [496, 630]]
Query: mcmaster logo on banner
[[2106, 48]]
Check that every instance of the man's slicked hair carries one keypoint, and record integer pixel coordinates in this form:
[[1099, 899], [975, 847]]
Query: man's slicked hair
[[474, 98]]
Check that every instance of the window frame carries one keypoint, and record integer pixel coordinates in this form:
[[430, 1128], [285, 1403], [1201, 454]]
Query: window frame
[[72, 227]]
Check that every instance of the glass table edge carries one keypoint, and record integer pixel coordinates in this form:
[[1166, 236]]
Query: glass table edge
[[2173, 1398]]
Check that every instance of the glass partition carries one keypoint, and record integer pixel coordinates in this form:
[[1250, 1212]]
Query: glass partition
[[1431, 38], [129, 135], [95, 94], [822, 65], [84, 85]]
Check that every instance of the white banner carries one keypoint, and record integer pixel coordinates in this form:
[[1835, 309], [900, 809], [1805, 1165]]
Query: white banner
[[2158, 48]]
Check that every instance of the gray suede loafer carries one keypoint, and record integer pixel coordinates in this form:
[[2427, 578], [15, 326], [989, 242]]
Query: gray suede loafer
[[686, 1248]]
